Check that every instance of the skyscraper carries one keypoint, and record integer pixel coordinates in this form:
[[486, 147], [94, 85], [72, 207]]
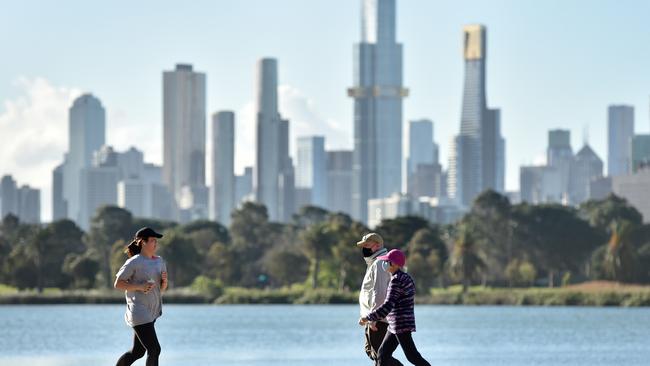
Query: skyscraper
[[586, 167], [378, 94], [620, 126], [87, 134], [222, 192], [311, 168], [339, 181], [273, 171], [184, 114], [477, 160], [421, 146], [59, 205], [640, 151], [8, 197], [559, 155]]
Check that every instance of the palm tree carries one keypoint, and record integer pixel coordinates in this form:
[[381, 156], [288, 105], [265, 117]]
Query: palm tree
[[619, 260], [466, 263]]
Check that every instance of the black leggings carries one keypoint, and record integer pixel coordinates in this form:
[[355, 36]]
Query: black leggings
[[144, 340], [389, 345]]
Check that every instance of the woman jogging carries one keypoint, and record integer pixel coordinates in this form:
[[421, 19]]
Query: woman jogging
[[398, 310], [143, 277]]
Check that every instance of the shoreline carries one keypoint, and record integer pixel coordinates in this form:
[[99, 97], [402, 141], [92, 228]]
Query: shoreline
[[563, 296]]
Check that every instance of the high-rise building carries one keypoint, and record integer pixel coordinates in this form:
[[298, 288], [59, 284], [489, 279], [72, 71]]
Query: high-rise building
[[540, 184], [8, 197], [273, 174], [477, 160], [59, 205], [426, 181], [339, 181], [23, 202], [640, 151], [244, 186], [29, 205], [634, 188], [222, 192], [378, 94], [422, 151], [184, 136], [620, 125], [586, 167], [311, 168], [559, 155], [86, 134]]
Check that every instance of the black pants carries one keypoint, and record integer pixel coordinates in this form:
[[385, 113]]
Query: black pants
[[374, 338], [389, 345], [144, 340]]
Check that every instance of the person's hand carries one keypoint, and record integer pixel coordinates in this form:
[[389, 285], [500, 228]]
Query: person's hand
[[363, 320], [163, 284]]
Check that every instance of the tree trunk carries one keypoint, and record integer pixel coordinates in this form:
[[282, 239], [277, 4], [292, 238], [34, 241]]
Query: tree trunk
[[551, 278], [314, 278], [465, 285]]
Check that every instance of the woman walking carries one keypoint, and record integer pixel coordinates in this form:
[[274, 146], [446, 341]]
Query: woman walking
[[398, 309], [143, 277]]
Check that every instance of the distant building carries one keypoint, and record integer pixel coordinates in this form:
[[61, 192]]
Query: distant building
[[184, 137], [244, 187], [477, 156], [640, 151], [311, 168], [339, 181], [620, 125], [540, 184], [59, 204], [86, 134], [436, 210], [378, 92], [222, 192], [600, 188], [559, 155], [634, 188], [23, 202], [586, 167]]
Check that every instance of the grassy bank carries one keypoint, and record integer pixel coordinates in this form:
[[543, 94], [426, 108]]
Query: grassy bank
[[590, 294]]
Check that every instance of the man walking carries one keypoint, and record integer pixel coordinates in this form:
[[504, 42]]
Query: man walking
[[373, 292]]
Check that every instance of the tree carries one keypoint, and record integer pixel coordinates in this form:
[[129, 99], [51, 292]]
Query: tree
[[620, 257], [602, 213], [286, 265], [466, 263], [82, 269], [346, 255], [110, 224], [555, 238], [398, 231], [490, 221], [251, 235], [181, 258], [317, 241], [427, 254]]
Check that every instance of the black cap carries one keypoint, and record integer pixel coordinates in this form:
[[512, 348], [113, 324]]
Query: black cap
[[147, 232]]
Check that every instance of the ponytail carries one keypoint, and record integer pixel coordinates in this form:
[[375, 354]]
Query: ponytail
[[133, 248]]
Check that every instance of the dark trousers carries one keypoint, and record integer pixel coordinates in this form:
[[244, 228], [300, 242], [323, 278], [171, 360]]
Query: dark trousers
[[144, 340], [374, 338], [389, 345]]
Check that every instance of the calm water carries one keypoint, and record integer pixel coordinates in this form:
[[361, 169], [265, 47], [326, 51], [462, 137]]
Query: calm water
[[326, 335]]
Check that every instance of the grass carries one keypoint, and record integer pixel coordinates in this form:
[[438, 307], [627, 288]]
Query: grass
[[586, 294]]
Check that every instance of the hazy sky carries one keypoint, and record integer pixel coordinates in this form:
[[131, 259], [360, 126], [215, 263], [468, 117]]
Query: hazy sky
[[550, 64]]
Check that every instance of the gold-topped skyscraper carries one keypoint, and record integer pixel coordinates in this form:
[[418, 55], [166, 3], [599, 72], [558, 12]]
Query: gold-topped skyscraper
[[477, 156]]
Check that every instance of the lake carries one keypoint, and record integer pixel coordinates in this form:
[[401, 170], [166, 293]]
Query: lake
[[255, 335]]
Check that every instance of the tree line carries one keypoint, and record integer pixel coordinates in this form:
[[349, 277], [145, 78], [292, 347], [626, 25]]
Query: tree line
[[495, 243]]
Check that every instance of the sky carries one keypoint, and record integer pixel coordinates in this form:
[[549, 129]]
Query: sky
[[550, 64]]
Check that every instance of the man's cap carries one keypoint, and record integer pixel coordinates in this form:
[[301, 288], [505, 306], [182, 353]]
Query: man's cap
[[395, 256], [147, 232], [371, 237]]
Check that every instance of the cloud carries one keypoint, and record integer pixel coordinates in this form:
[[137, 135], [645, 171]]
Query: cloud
[[304, 120], [34, 130]]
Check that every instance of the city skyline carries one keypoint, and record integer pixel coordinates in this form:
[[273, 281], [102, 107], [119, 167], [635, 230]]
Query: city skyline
[[127, 123]]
